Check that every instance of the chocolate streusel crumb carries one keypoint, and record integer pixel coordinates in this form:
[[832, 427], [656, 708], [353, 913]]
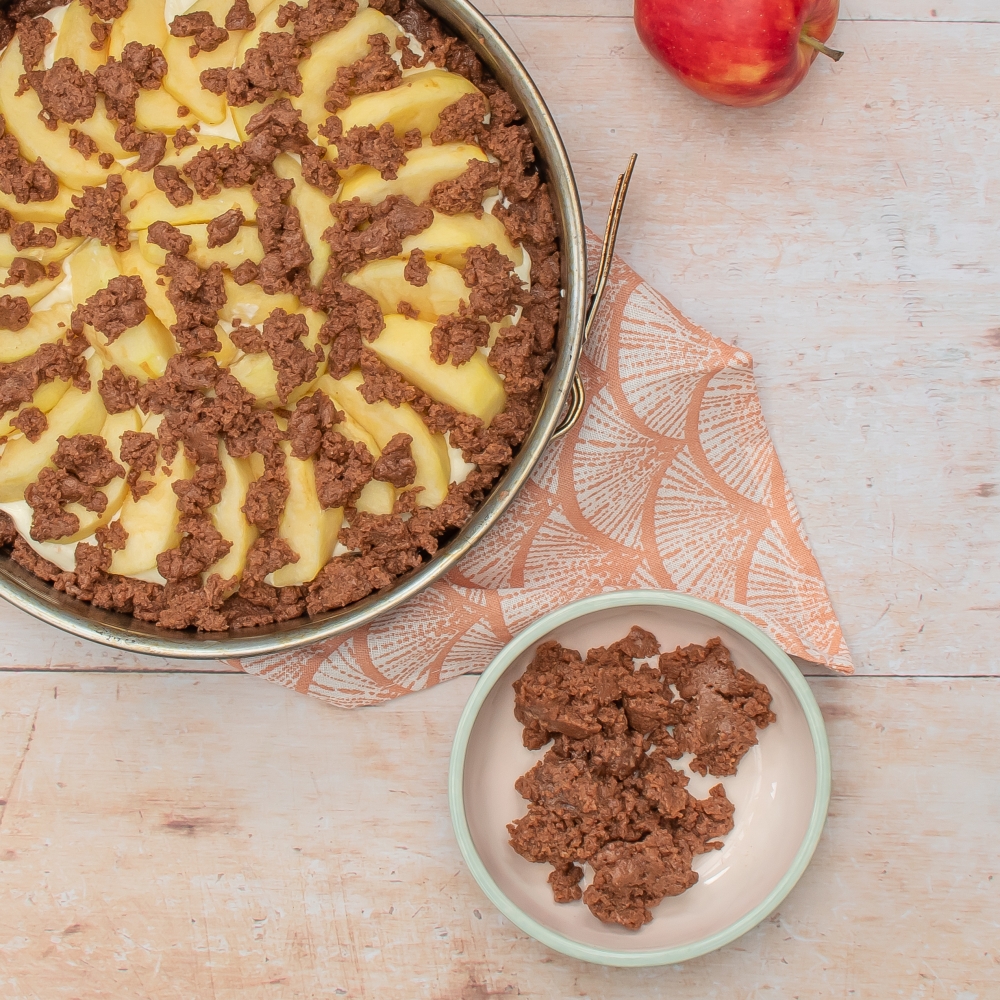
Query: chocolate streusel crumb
[[119, 391], [168, 238], [31, 422], [98, 213], [605, 792]]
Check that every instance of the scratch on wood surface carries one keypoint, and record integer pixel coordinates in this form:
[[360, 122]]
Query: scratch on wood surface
[[20, 764]]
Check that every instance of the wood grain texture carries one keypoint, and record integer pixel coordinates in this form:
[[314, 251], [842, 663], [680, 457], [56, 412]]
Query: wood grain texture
[[216, 837], [27, 642]]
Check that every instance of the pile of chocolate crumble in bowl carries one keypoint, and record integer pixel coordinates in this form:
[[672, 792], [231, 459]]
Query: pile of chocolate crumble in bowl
[[280, 285], [605, 793]]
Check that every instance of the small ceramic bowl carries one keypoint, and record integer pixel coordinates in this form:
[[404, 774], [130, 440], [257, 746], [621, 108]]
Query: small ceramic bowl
[[781, 791]]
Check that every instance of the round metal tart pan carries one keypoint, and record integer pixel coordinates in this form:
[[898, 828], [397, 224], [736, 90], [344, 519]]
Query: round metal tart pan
[[27, 592]]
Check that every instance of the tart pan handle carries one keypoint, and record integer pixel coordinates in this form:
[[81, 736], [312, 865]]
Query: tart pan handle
[[578, 395]]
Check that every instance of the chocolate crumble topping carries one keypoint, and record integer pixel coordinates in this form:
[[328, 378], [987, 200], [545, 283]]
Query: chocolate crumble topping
[[223, 228], [200, 26], [66, 93], [82, 143], [376, 147], [20, 379], [396, 465], [388, 224], [119, 391], [101, 33], [281, 337], [82, 464], [374, 72], [114, 309], [417, 270], [465, 193], [605, 792], [106, 10], [98, 213], [23, 180], [266, 69], [24, 236], [169, 238], [240, 17], [461, 121], [457, 336], [31, 422], [169, 181], [33, 34]]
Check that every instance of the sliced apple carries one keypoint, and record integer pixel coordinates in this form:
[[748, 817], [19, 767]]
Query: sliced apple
[[45, 327], [245, 245], [142, 351], [448, 237], [385, 281], [133, 262], [184, 72], [151, 521], [314, 211], [143, 22], [416, 103], [34, 292], [310, 531], [155, 206], [76, 413], [91, 269], [75, 37], [114, 427], [257, 374], [46, 396], [424, 168], [266, 20], [41, 213], [378, 496], [156, 111], [35, 139], [405, 346], [330, 53], [44, 255], [382, 420], [228, 518], [252, 304]]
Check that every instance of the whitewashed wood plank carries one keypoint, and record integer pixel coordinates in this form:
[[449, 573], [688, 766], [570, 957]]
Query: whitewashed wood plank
[[27, 642], [172, 836], [984, 11]]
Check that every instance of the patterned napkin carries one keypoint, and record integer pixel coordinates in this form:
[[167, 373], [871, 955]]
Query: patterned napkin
[[668, 480]]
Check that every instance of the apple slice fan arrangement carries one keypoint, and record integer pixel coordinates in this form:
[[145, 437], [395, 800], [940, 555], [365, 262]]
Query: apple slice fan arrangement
[[281, 290], [281, 287]]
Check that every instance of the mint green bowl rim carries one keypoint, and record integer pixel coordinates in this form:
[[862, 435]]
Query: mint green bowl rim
[[577, 609]]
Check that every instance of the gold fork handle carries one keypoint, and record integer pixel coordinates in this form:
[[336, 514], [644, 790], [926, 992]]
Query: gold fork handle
[[578, 395]]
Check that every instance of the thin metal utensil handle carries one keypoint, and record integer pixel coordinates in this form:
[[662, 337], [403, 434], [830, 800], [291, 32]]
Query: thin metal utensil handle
[[578, 395]]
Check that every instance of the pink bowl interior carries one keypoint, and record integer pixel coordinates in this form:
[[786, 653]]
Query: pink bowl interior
[[773, 791]]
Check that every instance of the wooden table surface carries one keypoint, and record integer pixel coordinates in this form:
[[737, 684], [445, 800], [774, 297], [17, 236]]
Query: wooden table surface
[[174, 830]]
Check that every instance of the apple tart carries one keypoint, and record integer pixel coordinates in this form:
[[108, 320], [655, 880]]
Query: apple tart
[[280, 284]]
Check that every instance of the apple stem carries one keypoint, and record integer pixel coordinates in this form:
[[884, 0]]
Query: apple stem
[[834, 54]]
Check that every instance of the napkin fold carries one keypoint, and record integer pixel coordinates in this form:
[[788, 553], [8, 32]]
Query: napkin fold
[[668, 480]]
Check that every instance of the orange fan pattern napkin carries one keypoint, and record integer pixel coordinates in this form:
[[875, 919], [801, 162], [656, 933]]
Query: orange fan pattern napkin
[[669, 480]]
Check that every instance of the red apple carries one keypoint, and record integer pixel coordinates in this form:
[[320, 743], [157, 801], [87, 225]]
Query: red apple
[[739, 52]]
